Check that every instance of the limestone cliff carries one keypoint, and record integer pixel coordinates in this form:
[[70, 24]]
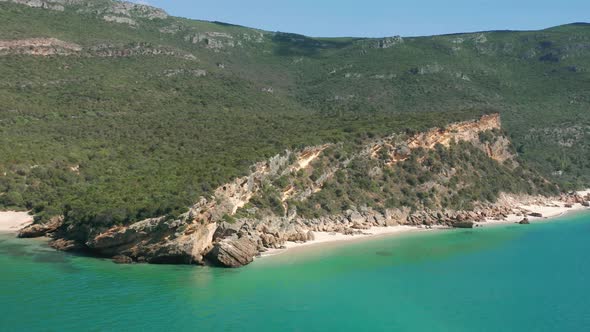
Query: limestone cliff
[[38, 47], [42, 47], [110, 11]]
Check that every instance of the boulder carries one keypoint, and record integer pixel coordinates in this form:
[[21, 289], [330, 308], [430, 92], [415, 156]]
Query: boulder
[[536, 215], [525, 221], [356, 218], [233, 252], [379, 220], [66, 245], [463, 224]]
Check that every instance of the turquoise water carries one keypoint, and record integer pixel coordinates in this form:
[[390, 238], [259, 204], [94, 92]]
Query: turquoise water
[[505, 278]]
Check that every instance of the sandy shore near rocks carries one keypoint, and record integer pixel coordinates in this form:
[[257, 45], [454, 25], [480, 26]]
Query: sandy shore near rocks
[[327, 238], [12, 221], [553, 210]]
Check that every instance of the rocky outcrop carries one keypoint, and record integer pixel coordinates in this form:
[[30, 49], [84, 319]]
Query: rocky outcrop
[[111, 11], [156, 241], [233, 252], [135, 49], [56, 47], [57, 5], [66, 245], [38, 47], [389, 42], [469, 131], [119, 19], [227, 199], [216, 40], [38, 230]]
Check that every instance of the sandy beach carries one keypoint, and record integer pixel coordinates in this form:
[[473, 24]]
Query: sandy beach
[[324, 238], [553, 210], [12, 221]]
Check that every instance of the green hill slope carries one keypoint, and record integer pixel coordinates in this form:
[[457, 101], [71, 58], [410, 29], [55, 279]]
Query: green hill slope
[[114, 112]]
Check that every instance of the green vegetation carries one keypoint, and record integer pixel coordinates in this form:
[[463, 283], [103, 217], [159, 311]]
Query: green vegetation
[[453, 177], [110, 140]]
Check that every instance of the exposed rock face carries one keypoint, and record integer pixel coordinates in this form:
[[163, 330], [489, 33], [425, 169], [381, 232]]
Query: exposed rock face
[[156, 241], [129, 9], [389, 42], [38, 47], [45, 4], [217, 41], [56, 47], [38, 230], [468, 131], [66, 245], [119, 19], [135, 49], [228, 198], [111, 11], [233, 252]]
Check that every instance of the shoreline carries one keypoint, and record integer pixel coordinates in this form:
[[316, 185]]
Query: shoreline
[[327, 238], [13, 221], [556, 210]]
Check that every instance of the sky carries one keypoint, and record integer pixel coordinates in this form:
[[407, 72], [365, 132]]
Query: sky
[[379, 18]]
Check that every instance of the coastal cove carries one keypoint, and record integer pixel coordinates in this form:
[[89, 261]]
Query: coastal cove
[[456, 280], [549, 211]]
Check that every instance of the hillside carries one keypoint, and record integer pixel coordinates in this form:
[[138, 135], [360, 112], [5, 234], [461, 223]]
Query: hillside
[[111, 113]]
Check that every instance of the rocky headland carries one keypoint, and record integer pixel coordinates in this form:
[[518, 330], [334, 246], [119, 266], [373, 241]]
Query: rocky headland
[[224, 230]]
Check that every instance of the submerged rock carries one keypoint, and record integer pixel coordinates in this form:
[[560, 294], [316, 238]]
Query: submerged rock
[[122, 259], [464, 224], [66, 245]]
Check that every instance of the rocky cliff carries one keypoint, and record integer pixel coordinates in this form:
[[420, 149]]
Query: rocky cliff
[[42, 47], [258, 212], [110, 11]]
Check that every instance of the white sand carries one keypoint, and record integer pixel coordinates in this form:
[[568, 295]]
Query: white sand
[[12, 221], [325, 237]]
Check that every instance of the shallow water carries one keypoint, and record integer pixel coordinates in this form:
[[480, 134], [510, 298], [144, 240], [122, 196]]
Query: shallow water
[[504, 278]]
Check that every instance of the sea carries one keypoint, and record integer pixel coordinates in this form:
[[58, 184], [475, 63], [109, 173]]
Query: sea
[[496, 278]]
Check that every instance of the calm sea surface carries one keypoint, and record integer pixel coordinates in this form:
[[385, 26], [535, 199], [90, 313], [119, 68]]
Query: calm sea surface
[[504, 278]]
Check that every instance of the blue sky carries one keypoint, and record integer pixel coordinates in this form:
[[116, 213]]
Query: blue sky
[[377, 18]]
